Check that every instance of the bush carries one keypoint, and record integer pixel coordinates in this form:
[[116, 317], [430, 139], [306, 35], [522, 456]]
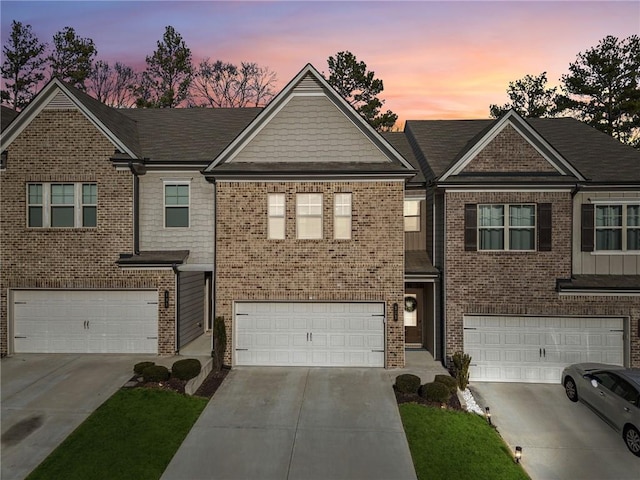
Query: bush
[[139, 367], [461, 362], [435, 392], [407, 383], [186, 369], [155, 373], [449, 381], [219, 342]]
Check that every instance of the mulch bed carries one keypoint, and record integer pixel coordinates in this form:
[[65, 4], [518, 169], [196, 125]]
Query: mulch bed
[[453, 404], [206, 390]]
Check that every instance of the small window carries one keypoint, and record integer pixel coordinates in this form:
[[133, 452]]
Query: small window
[[609, 227], [491, 227], [309, 216], [412, 215], [176, 202], [35, 205], [522, 227], [276, 216], [342, 216], [62, 205], [89, 204]]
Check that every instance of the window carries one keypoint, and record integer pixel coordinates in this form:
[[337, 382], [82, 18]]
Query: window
[[276, 212], [309, 215], [176, 205], [62, 205], [515, 230], [342, 216], [412, 215], [617, 227]]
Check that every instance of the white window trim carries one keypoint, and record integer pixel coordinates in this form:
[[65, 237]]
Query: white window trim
[[623, 228], [270, 216], [506, 227], [320, 216], [47, 204], [336, 215], [169, 182]]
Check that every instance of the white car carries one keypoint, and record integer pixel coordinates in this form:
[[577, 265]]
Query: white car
[[612, 392]]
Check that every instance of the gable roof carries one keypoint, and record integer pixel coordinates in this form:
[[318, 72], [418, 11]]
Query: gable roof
[[6, 116], [399, 141], [597, 157], [307, 77]]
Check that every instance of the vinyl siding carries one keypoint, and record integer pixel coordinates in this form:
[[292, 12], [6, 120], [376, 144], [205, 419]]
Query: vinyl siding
[[198, 237], [590, 263]]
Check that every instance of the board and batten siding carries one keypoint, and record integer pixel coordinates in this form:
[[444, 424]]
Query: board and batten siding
[[198, 237], [191, 298], [294, 135], [592, 263]]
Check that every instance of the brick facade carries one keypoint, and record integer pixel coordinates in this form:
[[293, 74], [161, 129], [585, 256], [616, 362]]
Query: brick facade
[[369, 267], [63, 146], [519, 283]]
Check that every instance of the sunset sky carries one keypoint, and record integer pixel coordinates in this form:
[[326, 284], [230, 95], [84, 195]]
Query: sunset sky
[[438, 60]]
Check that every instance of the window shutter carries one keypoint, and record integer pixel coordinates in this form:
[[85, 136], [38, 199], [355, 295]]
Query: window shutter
[[544, 227], [470, 227], [587, 228]]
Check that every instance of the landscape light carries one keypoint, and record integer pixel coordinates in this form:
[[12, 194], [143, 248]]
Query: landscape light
[[488, 415], [518, 454]]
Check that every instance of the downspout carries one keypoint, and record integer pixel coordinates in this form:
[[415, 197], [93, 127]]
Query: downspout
[[174, 267], [136, 210], [215, 264]]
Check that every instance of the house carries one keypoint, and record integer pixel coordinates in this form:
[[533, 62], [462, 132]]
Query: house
[[320, 241]]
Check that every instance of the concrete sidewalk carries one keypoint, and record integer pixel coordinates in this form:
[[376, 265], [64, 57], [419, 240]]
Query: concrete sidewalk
[[297, 423]]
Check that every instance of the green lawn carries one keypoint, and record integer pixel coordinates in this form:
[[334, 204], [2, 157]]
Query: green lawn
[[450, 445], [133, 435]]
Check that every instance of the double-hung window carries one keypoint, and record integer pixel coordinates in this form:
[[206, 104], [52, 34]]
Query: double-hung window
[[342, 216], [617, 227], [176, 204], [507, 227], [412, 215], [309, 216], [62, 205], [276, 216]]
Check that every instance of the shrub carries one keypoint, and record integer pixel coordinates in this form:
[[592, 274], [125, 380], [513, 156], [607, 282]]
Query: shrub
[[219, 342], [407, 383], [139, 367], [461, 362], [449, 381], [435, 392], [186, 369], [155, 373]]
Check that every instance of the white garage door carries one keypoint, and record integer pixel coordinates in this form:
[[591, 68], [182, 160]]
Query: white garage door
[[310, 334], [536, 349], [85, 321]]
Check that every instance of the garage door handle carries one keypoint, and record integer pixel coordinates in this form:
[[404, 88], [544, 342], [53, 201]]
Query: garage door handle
[[307, 336], [311, 336], [540, 352]]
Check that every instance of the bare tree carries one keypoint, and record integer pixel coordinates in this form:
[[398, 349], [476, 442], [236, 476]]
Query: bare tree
[[220, 84], [115, 86]]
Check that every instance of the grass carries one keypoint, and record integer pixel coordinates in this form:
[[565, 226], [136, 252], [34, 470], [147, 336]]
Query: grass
[[455, 445], [134, 434]]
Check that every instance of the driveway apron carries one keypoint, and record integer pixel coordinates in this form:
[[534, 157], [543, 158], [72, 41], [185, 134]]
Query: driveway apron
[[45, 397], [297, 423]]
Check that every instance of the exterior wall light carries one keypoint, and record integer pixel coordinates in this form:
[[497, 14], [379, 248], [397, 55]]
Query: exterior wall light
[[518, 454], [488, 415]]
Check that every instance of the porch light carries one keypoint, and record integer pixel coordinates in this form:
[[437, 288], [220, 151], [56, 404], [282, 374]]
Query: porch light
[[518, 454], [488, 415]]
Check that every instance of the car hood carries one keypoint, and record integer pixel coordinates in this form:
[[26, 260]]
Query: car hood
[[590, 367]]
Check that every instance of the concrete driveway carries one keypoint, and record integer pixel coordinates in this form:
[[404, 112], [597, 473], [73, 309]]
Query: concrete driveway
[[297, 423], [45, 397], [561, 440]]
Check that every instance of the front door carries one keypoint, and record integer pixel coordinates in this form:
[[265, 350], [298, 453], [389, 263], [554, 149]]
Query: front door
[[413, 308]]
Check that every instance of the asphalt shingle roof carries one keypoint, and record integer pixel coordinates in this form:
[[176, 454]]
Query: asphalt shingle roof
[[6, 116], [399, 141]]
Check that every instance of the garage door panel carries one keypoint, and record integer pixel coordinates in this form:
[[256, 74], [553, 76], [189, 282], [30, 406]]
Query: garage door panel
[[536, 349], [322, 334]]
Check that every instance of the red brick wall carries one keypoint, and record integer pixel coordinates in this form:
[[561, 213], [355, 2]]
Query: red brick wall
[[63, 146], [369, 267]]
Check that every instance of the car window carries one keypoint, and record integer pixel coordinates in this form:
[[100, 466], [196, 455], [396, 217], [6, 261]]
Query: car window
[[606, 379], [626, 391]]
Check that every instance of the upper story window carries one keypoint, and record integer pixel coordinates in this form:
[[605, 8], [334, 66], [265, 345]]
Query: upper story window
[[342, 216], [309, 216], [176, 204], [617, 227], [62, 205], [276, 216], [506, 227], [412, 215]]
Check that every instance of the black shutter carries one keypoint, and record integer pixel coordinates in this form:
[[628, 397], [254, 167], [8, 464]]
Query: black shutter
[[544, 227], [587, 228], [470, 227]]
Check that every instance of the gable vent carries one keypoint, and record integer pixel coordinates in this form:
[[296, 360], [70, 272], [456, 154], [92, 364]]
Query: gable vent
[[60, 102], [309, 84]]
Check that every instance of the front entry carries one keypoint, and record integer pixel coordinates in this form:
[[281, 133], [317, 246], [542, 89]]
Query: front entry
[[413, 313]]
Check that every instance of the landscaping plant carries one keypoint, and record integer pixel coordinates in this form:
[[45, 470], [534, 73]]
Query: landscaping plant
[[186, 369], [461, 362], [219, 342], [407, 383]]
